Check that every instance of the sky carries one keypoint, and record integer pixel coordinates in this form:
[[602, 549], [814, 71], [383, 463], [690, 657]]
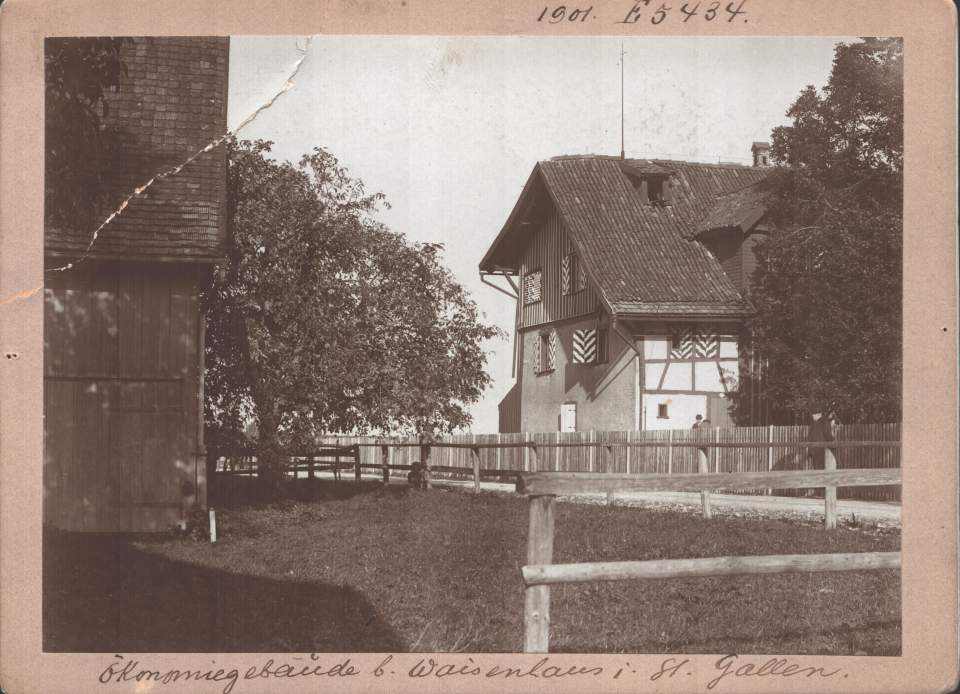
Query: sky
[[449, 128]]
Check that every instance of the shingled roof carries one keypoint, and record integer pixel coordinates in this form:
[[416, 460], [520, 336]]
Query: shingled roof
[[643, 258], [171, 103]]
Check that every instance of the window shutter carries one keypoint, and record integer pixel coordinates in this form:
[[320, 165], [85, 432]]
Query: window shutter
[[552, 356], [585, 344], [581, 278], [537, 356], [531, 288], [682, 344], [565, 268], [707, 345]]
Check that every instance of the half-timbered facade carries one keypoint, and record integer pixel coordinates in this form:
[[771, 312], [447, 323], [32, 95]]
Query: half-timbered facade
[[123, 328], [630, 278]]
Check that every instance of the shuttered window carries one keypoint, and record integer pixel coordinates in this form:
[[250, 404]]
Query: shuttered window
[[585, 346], [691, 344], [572, 277], [532, 287], [545, 352]]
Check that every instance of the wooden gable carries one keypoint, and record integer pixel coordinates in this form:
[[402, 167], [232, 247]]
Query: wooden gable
[[565, 291]]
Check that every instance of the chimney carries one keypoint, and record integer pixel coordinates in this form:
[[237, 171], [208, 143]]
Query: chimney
[[761, 154]]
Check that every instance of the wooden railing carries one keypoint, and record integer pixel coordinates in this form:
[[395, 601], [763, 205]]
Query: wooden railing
[[543, 489], [703, 481]]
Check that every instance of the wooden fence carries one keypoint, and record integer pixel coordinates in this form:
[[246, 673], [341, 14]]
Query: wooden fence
[[504, 455], [543, 488]]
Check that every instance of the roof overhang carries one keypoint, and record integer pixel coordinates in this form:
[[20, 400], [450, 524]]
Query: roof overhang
[[503, 256], [677, 311]]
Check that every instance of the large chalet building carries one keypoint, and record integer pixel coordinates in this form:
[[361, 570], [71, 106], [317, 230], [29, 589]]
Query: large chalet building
[[630, 277], [123, 327]]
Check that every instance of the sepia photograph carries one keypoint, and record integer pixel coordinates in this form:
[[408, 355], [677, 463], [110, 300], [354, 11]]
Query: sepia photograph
[[490, 344]]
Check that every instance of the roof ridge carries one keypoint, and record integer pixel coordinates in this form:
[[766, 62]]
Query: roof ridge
[[628, 160]]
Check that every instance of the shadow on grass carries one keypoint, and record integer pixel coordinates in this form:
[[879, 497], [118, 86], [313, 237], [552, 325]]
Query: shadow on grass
[[233, 491], [103, 594]]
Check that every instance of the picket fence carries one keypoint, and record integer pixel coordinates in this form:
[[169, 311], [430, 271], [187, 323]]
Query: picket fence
[[665, 459]]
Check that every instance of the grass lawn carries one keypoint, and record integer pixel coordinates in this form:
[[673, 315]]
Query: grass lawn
[[364, 568]]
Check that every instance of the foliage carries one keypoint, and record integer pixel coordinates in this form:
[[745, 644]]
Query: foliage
[[827, 331], [79, 73], [323, 320]]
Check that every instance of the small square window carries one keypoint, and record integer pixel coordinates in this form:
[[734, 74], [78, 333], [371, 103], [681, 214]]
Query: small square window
[[662, 411]]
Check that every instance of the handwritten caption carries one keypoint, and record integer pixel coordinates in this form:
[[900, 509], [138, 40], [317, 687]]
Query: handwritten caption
[[649, 11], [729, 667]]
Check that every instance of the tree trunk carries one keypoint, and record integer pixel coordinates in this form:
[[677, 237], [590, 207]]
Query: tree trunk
[[270, 458]]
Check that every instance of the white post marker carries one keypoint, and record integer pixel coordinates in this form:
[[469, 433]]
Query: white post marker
[[213, 526]]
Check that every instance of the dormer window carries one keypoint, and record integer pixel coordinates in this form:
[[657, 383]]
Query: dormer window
[[655, 190], [651, 180]]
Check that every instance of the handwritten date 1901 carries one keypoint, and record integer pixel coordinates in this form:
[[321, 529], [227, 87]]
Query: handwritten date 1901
[[563, 13], [688, 10]]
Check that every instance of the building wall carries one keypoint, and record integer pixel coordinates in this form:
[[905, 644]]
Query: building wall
[[749, 252], [604, 394], [545, 252], [123, 332], [122, 395], [687, 380], [624, 393]]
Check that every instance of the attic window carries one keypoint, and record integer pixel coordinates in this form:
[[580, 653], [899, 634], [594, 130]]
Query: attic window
[[532, 287], [572, 277], [655, 190]]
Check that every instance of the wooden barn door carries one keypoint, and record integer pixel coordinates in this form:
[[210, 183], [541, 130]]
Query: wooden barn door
[[121, 399]]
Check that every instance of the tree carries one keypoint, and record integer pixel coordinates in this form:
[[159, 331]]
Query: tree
[[323, 320], [79, 72], [827, 331]]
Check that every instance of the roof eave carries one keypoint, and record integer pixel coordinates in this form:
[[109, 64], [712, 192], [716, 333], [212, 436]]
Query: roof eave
[[487, 263], [665, 312]]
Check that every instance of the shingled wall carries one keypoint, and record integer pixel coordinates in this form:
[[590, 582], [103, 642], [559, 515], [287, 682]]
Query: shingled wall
[[171, 103]]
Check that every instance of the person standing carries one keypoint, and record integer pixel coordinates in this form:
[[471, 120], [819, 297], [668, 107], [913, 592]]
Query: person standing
[[698, 422]]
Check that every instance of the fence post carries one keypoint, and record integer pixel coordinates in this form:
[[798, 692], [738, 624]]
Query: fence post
[[830, 492], [310, 464], [704, 468], [476, 469], [534, 458], [670, 454], [716, 451], [385, 461], [629, 439], [770, 455], [356, 458], [536, 613], [591, 437], [607, 464]]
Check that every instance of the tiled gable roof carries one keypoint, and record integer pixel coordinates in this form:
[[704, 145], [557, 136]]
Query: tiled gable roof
[[642, 257], [171, 103]]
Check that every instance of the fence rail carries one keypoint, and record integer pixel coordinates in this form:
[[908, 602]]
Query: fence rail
[[736, 449], [540, 572]]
